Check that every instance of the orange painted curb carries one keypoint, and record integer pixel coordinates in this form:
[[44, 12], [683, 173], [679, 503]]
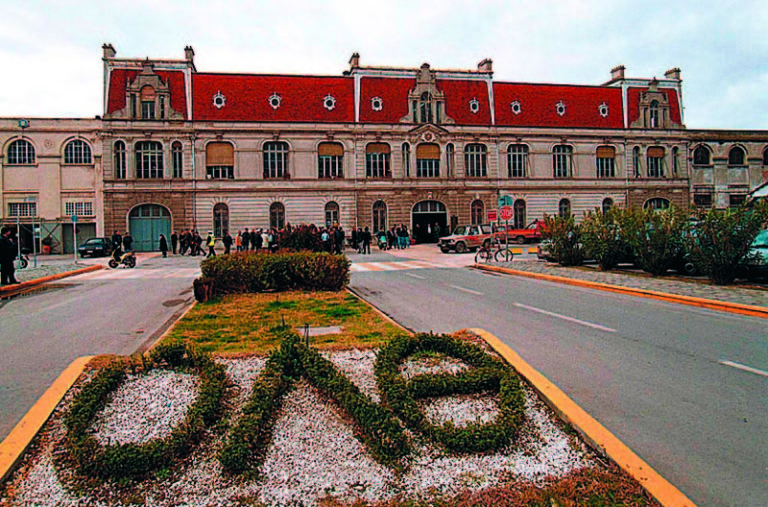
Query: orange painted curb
[[752, 311], [18, 441], [591, 430], [37, 281]]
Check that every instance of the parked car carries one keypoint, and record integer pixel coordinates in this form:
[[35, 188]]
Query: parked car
[[542, 251], [756, 263], [95, 247], [466, 238], [531, 232]]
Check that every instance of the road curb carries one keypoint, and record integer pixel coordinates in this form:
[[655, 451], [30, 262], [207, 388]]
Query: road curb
[[57, 276], [592, 431], [752, 311], [17, 442]]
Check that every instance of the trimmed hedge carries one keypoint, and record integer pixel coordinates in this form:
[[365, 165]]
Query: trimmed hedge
[[245, 449], [134, 460], [488, 374], [257, 272]]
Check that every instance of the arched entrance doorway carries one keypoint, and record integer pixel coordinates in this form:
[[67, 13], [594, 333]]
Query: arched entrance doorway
[[426, 215], [146, 223]]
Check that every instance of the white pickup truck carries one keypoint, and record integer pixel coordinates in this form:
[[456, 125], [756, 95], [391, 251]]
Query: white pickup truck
[[466, 238]]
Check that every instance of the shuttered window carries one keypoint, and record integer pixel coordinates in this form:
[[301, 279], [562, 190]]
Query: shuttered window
[[606, 162], [655, 162], [656, 151], [329, 160], [427, 161], [220, 161]]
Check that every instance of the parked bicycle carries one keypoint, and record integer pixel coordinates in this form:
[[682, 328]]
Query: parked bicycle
[[495, 251]]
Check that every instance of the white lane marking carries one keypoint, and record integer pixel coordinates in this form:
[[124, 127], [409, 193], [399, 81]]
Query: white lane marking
[[744, 368], [415, 276], [467, 290], [564, 317]]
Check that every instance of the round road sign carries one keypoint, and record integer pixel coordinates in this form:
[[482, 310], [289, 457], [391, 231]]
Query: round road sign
[[506, 213]]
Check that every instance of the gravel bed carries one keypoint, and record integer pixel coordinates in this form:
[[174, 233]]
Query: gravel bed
[[313, 454]]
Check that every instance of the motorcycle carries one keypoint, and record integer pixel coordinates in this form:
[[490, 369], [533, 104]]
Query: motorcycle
[[127, 259], [381, 239], [23, 261]]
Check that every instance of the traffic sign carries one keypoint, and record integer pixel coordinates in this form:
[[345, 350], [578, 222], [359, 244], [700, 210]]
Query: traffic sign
[[74, 219], [506, 213], [505, 200], [492, 213]]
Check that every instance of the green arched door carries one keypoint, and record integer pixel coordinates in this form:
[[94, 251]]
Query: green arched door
[[146, 223]]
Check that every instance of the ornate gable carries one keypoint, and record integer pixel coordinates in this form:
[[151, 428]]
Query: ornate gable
[[147, 97], [426, 102], [654, 107]]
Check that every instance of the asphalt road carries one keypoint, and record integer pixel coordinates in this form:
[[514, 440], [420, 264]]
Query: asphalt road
[[655, 374], [105, 312]]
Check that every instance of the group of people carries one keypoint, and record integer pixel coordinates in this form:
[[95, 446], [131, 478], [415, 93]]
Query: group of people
[[255, 239]]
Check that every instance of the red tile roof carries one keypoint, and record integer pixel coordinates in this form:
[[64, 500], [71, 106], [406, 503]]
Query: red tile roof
[[633, 104], [247, 98], [393, 93], [458, 96], [119, 79], [538, 105]]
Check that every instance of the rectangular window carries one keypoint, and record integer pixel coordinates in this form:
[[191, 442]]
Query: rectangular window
[[428, 168], [162, 106], [148, 110], [516, 160], [377, 165], [562, 160], [655, 167], [329, 166], [177, 163], [133, 106], [735, 200], [22, 209], [80, 208], [275, 160], [702, 200], [220, 172], [475, 160]]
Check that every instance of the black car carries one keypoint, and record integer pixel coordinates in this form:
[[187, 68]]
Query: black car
[[95, 247]]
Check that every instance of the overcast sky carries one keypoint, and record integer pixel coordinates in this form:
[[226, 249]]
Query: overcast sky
[[50, 51]]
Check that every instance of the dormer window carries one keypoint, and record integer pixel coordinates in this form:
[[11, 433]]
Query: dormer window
[[653, 114], [147, 103], [425, 108], [426, 101]]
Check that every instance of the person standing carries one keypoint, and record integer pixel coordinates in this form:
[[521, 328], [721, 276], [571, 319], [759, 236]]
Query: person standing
[[174, 241], [239, 241], [246, 240], [257, 240], [366, 241], [163, 246], [127, 242], [227, 240], [8, 253], [211, 242], [117, 241]]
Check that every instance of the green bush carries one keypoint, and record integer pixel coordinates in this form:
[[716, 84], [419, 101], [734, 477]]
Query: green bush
[[281, 271], [121, 461], [486, 374], [603, 237], [564, 237], [657, 237], [248, 442], [721, 240]]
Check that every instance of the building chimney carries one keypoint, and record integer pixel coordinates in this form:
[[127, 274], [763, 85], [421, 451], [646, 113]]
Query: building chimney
[[673, 73], [354, 61], [109, 51], [485, 66], [189, 54], [617, 73]]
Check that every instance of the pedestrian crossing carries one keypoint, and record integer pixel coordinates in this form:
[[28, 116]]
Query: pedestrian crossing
[[358, 267]]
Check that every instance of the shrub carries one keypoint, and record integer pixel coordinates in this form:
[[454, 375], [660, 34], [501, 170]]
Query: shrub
[[722, 239], [120, 461], [656, 237], [565, 240], [602, 235], [487, 374]]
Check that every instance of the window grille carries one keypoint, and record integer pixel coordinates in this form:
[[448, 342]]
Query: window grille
[[79, 208]]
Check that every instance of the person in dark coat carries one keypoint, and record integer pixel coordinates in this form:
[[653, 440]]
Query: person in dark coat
[[174, 241], [163, 246], [8, 253], [367, 241], [227, 241], [127, 242], [117, 240], [247, 240]]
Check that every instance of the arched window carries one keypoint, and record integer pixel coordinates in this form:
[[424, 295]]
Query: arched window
[[736, 156], [379, 216], [331, 214], [636, 169], [220, 220], [562, 161], [121, 162], [476, 160], [219, 161], [147, 103], [519, 209], [655, 162], [21, 152], [276, 160], [450, 155], [428, 161], [178, 159], [377, 157], [477, 212], [701, 155], [277, 215], [425, 108], [517, 160], [330, 158], [607, 204], [653, 114], [675, 161], [606, 161], [149, 159], [77, 151], [656, 203], [564, 208], [406, 149]]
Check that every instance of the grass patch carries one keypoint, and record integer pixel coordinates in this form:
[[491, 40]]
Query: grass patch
[[250, 323]]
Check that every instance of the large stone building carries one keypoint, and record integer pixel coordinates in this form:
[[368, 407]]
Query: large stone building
[[177, 148]]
